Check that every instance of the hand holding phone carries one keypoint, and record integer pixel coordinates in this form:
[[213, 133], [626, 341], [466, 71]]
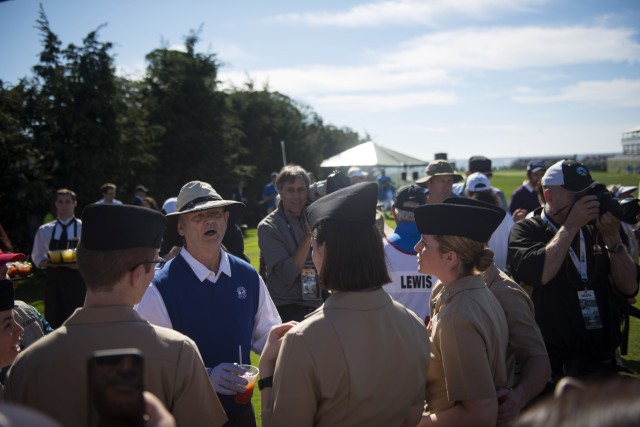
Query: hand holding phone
[[116, 388]]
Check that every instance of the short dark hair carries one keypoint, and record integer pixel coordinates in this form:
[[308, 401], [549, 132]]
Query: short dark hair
[[101, 270], [353, 256], [487, 196], [106, 186], [289, 173], [65, 192]]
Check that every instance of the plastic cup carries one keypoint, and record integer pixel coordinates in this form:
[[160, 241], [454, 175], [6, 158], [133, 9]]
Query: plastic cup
[[68, 255], [55, 257], [24, 268], [250, 374]]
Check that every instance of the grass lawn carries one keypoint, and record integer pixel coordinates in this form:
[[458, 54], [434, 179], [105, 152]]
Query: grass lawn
[[31, 290]]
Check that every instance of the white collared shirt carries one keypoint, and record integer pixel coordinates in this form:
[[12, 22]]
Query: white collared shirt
[[40, 250], [153, 309]]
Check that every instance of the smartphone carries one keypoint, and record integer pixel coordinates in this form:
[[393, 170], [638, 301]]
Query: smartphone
[[115, 388]]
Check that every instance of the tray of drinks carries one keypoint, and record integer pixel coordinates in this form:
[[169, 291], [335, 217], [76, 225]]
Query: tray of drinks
[[19, 270], [63, 256]]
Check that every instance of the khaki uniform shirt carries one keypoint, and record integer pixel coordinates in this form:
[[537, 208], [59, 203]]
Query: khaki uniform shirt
[[468, 345], [360, 359], [525, 338], [51, 376]]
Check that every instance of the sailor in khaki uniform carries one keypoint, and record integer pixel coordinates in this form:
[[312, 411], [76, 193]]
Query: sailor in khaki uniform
[[361, 359], [468, 327], [528, 367], [116, 256]]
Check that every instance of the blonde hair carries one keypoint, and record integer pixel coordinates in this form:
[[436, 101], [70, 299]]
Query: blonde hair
[[474, 256]]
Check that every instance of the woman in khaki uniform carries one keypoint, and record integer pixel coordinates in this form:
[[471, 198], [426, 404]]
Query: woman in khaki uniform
[[361, 359], [468, 327]]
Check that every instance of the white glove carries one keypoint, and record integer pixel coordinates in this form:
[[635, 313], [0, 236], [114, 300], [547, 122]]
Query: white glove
[[226, 379]]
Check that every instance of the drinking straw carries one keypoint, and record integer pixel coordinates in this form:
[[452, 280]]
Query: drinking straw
[[240, 353]]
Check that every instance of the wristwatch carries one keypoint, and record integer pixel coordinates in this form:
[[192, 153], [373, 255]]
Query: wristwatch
[[265, 382], [617, 248]]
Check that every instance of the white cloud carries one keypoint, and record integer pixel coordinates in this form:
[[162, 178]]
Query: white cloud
[[442, 61], [229, 52], [135, 71], [616, 93], [404, 12], [384, 102], [180, 47], [335, 79], [510, 48]]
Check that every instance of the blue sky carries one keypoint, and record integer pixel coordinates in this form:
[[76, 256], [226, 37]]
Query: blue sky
[[502, 78]]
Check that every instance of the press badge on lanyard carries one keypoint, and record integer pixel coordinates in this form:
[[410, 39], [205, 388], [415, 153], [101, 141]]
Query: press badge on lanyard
[[309, 281], [589, 307]]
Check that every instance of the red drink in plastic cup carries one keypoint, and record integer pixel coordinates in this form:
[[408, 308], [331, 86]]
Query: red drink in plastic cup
[[250, 374]]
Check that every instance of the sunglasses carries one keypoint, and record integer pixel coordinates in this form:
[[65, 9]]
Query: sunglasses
[[161, 262]]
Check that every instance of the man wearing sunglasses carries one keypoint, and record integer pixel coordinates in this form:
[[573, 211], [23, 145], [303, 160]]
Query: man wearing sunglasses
[[116, 257]]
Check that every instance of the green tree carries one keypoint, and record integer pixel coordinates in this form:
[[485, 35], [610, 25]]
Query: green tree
[[267, 118], [201, 137], [72, 124]]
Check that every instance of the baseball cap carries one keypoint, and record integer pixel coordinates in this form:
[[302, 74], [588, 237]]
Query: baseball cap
[[569, 174], [337, 180], [409, 197], [274, 174], [439, 167], [534, 166], [478, 182], [5, 258], [480, 164], [141, 187], [355, 171]]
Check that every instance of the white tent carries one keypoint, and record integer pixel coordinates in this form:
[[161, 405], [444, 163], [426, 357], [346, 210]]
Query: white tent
[[371, 154]]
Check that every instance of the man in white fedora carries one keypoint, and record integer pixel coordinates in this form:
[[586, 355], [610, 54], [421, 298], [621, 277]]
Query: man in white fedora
[[213, 297]]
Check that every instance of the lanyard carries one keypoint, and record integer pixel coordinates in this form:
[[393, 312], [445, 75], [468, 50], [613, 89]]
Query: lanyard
[[290, 229], [579, 263]]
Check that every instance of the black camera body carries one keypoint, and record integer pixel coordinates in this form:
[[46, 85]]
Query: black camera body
[[626, 210]]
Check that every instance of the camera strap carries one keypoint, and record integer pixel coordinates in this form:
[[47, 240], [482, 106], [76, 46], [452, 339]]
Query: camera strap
[[580, 262]]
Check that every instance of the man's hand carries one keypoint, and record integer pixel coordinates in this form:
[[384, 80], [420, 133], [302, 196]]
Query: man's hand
[[156, 415], [226, 379], [272, 348], [585, 210], [508, 406], [519, 214], [609, 226]]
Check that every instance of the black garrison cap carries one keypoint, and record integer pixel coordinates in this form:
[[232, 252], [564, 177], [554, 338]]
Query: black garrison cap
[[355, 204], [466, 201], [116, 227], [7, 295], [468, 218]]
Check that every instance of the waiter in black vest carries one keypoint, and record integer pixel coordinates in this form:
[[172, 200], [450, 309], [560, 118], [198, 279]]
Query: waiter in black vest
[[54, 250]]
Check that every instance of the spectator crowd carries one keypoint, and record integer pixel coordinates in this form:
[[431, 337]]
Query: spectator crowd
[[470, 312]]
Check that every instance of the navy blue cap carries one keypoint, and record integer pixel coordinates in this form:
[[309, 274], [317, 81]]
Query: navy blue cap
[[459, 216], [355, 204], [116, 227]]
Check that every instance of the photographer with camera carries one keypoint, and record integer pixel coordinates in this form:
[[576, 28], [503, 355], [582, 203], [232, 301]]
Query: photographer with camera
[[571, 252]]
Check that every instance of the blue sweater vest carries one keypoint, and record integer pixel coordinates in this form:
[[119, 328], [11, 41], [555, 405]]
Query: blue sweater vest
[[217, 316]]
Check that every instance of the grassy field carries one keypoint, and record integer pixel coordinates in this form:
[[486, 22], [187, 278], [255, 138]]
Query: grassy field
[[32, 289]]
